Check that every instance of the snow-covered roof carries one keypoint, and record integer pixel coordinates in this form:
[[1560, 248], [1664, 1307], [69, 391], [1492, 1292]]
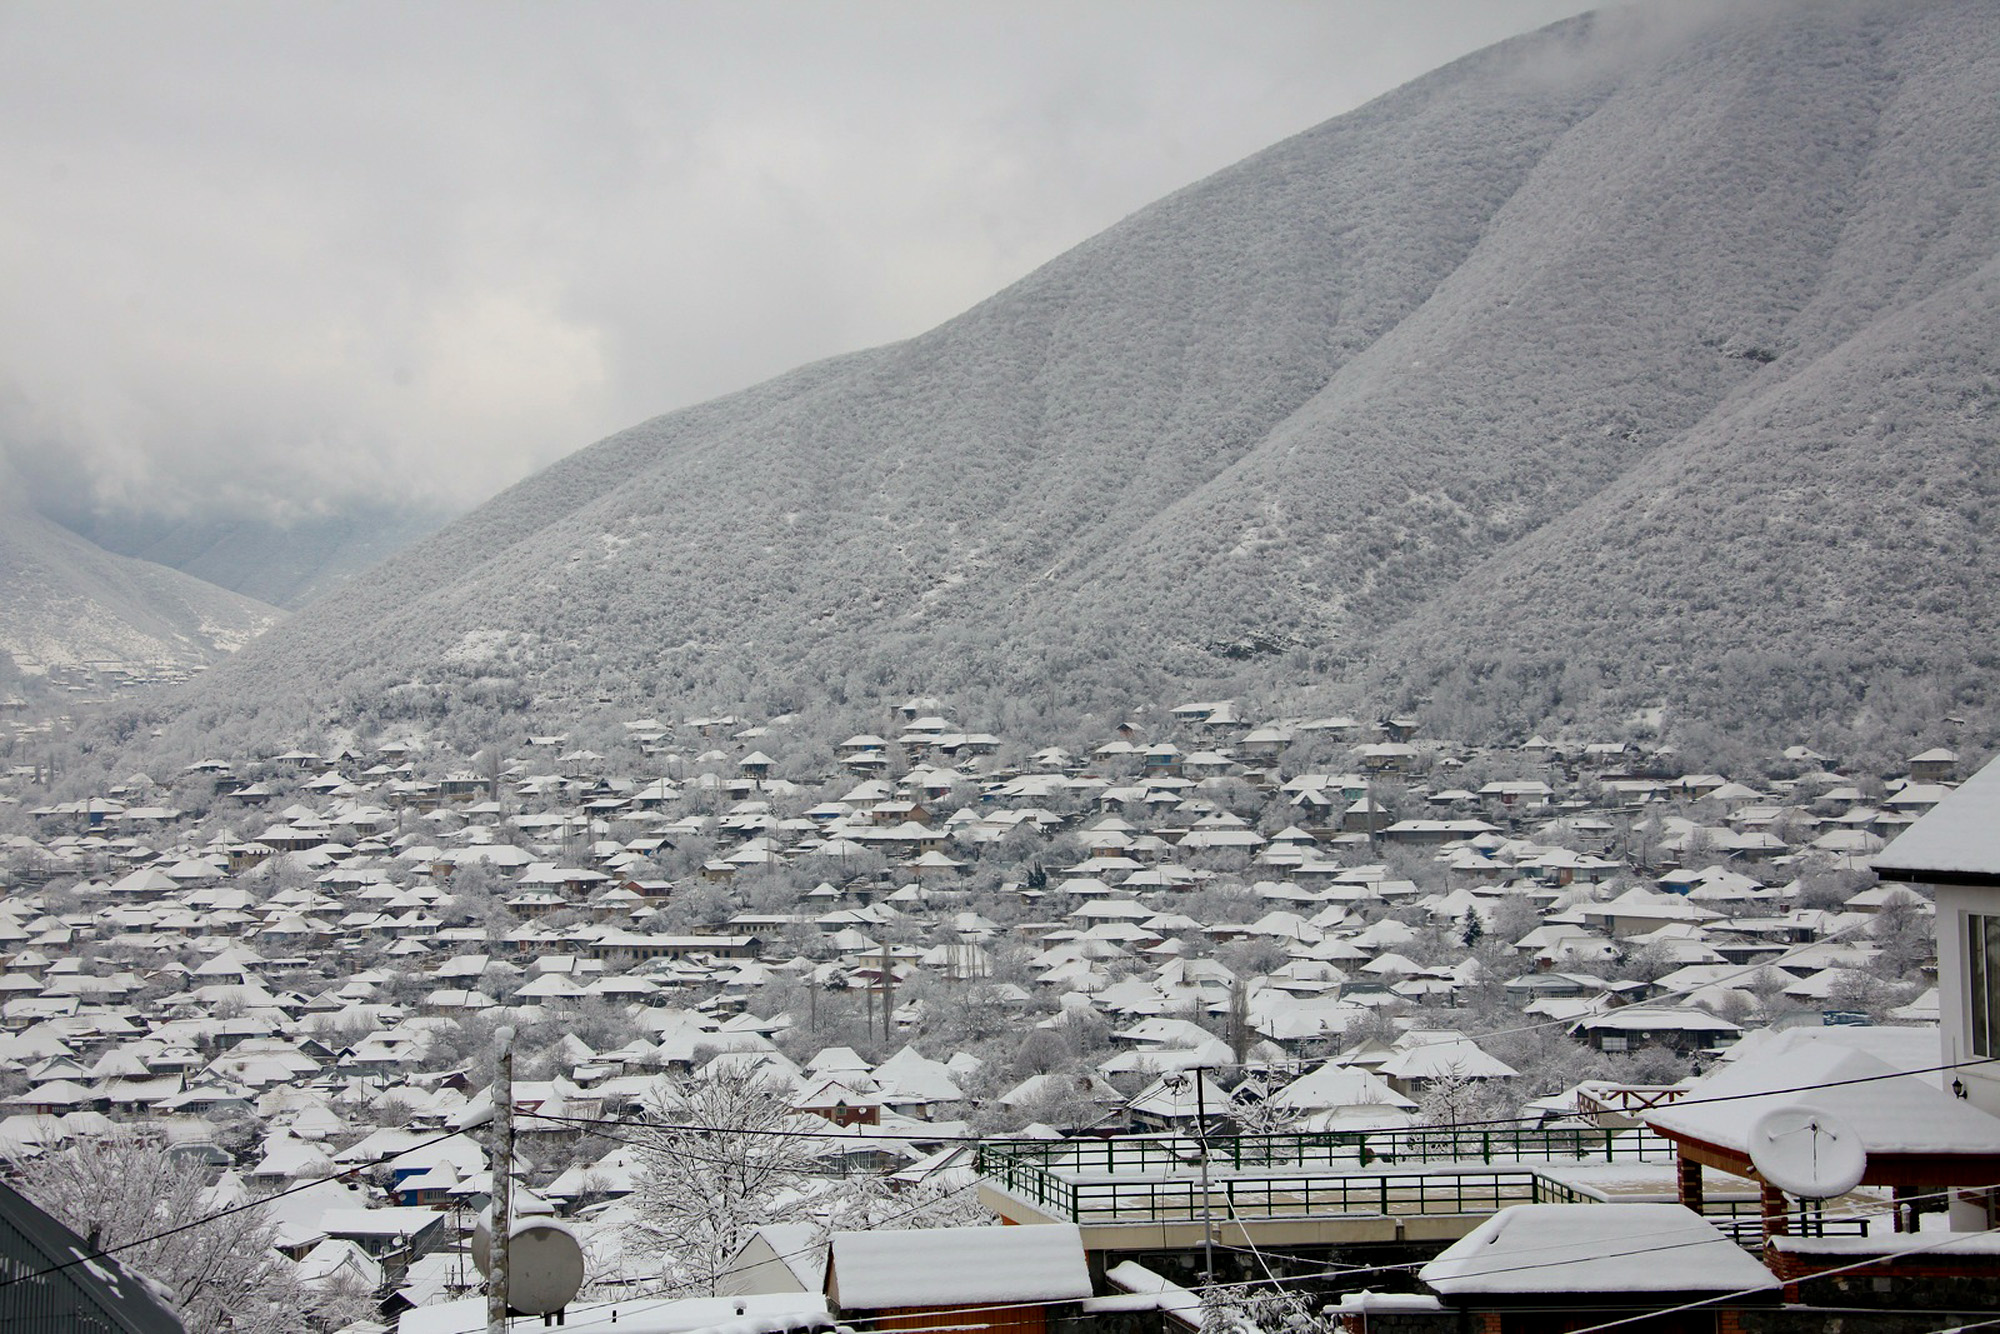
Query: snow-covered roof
[[1892, 1112], [1956, 842], [1334, 1085], [750, 1313], [957, 1266], [1595, 1248], [1447, 1057]]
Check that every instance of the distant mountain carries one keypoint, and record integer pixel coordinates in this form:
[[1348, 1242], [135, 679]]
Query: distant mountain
[[284, 564], [65, 602], [1646, 360]]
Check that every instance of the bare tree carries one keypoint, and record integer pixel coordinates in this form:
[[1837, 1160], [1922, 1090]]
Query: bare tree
[[151, 1208], [1454, 1098], [721, 1156]]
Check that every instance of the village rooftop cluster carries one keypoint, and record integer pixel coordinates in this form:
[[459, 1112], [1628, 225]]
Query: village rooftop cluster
[[288, 964]]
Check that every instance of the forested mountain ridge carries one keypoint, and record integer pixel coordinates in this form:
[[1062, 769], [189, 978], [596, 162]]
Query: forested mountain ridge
[[65, 602], [1651, 354]]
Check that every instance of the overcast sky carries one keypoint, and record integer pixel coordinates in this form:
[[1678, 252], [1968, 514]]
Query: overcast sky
[[271, 257]]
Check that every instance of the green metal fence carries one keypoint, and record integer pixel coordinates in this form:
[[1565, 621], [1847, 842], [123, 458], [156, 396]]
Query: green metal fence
[[1183, 1197], [1342, 1150], [1156, 1179]]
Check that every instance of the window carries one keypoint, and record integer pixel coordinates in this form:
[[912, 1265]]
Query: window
[[1982, 974]]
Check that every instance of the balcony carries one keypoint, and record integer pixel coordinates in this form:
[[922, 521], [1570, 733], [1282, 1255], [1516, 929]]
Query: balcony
[[1419, 1185]]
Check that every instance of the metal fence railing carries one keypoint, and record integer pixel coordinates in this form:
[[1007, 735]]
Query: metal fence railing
[[1184, 1197], [1166, 1200], [1343, 1150], [1157, 1178]]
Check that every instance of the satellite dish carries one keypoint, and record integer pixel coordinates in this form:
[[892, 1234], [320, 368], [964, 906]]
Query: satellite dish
[[1807, 1152], [544, 1262]]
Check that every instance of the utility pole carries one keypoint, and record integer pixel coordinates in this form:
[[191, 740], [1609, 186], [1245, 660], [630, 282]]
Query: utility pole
[[1207, 1199], [1176, 1083], [1374, 839], [888, 990], [503, 1182]]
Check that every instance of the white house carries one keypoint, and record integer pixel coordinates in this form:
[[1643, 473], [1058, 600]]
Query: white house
[[1955, 849]]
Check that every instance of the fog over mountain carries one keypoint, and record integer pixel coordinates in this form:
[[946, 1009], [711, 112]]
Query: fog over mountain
[[286, 564], [1649, 359]]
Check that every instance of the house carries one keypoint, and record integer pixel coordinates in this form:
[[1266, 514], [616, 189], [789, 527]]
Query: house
[[1920, 1141], [1955, 849], [1016, 1280], [1937, 765], [395, 1231], [778, 1257], [1553, 1267], [619, 948], [1433, 832], [461, 786], [1510, 796], [1388, 757], [47, 1290], [1424, 1058], [1337, 1097], [1178, 1101], [1682, 1030], [843, 1102]]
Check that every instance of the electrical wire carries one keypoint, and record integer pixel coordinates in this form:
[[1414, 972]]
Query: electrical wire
[[1958, 1329], [1670, 993], [1461, 1125], [680, 1151], [1282, 1282], [1273, 1280], [604, 1122], [1298, 1303], [1649, 1313], [1339, 1271], [654, 1303], [224, 1212], [1949, 1238]]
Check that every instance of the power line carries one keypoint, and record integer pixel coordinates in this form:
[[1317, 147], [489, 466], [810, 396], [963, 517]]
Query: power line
[[1329, 1271], [224, 1212], [1337, 1271], [588, 1128], [1461, 1125], [654, 1303], [1275, 1281], [1670, 993], [1957, 1329], [1950, 1238], [602, 1122], [1650, 1312]]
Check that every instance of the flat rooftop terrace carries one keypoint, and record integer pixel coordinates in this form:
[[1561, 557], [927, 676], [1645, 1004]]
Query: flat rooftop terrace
[[1148, 1192]]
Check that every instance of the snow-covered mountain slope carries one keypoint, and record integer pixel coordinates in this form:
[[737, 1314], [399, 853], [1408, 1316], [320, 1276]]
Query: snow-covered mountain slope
[[1649, 358], [64, 602]]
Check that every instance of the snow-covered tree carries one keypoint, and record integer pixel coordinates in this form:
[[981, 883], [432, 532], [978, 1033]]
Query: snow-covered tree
[[120, 1190], [869, 1200], [719, 1157], [1455, 1098]]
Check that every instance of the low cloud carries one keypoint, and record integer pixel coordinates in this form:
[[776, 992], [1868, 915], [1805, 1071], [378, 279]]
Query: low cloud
[[271, 260]]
